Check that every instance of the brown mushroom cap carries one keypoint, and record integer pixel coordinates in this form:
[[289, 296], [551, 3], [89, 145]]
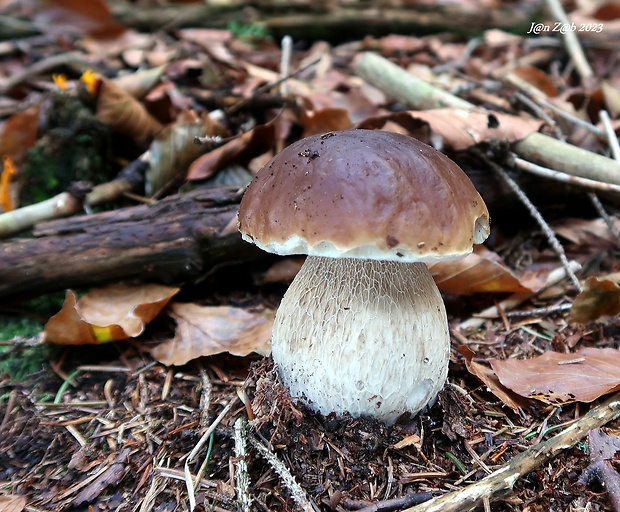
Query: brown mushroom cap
[[363, 194]]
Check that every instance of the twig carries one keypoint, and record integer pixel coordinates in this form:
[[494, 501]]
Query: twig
[[259, 90], [555, 244], [571, 41], [515, 300], [536, 147], [44, 66], [614, 147], [530, 167], [242, 477], [400, 85], [285, 63], [297, 493], [500, 483], [407, 500], [539, 311]]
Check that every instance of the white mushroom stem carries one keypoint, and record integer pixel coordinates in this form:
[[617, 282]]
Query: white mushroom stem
[[362, 336]]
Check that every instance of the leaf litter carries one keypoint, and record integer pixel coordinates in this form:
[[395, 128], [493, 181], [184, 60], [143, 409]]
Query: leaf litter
[[519, 374]]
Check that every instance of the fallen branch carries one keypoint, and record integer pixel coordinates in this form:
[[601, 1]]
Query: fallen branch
[[499, 484], [181, 237], [537, 147]]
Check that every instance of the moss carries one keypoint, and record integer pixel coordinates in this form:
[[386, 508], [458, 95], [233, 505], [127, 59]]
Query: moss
[[74, 146], [20, 364]]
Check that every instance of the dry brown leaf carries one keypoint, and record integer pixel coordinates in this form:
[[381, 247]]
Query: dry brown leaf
[[489, 378], [239, 150], [282, 271], [12, 503], [93, 18], [173, 150], [595, 234], [107, 314], [558, 378], [460, 128], [140, 83], [612, 98], [538, 78], [325, 120], [208, 330], [125, 114], [598, 298], [480, 271]]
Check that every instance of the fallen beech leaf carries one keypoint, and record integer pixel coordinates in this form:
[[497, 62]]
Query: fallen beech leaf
[[125, 114], [558, 378], [208, 330], [538, 78], [598, 298], [594, 234], [325, 120], [239, 150], [140, 83], [489, 378], [282, 271], [92, 17], [12, 503], [612, 98], [107, 314], [480, 271], [172, 151], [459, 128]]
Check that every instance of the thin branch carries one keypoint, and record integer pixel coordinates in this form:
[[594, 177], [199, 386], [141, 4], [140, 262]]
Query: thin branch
[[555, 244], [242, 477], [539, 170], [297, 493], [500, 483], [573, 47]]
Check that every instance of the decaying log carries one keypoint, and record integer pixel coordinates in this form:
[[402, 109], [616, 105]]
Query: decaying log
[[180, 238], [337, 19]]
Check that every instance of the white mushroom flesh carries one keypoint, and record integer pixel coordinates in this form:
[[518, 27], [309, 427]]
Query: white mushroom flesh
[[365, 337]]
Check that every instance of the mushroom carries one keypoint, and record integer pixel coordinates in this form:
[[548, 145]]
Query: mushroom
[[362, 329]]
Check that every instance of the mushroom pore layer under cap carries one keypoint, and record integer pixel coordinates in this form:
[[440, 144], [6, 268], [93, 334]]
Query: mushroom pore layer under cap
[[363, 194]]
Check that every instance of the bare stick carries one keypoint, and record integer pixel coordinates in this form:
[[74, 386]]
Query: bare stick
[[403, 86], [500, 483], [537, 147], [515, 300], [614, 147], [555, 243], [571, 41], [242, 477], [524, 165]]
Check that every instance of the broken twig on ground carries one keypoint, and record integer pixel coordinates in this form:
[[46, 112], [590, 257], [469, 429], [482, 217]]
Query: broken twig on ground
[[499, 483]]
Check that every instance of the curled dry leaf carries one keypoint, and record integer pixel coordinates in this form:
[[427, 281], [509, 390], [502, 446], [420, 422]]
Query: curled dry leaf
[[239, 150], [595, 234], [125, 114], [459, 128], [558, 378], [107, 314], [208, 330], [538, 78], [598, 298], [172, 151], [480, 271], [488, 377]]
